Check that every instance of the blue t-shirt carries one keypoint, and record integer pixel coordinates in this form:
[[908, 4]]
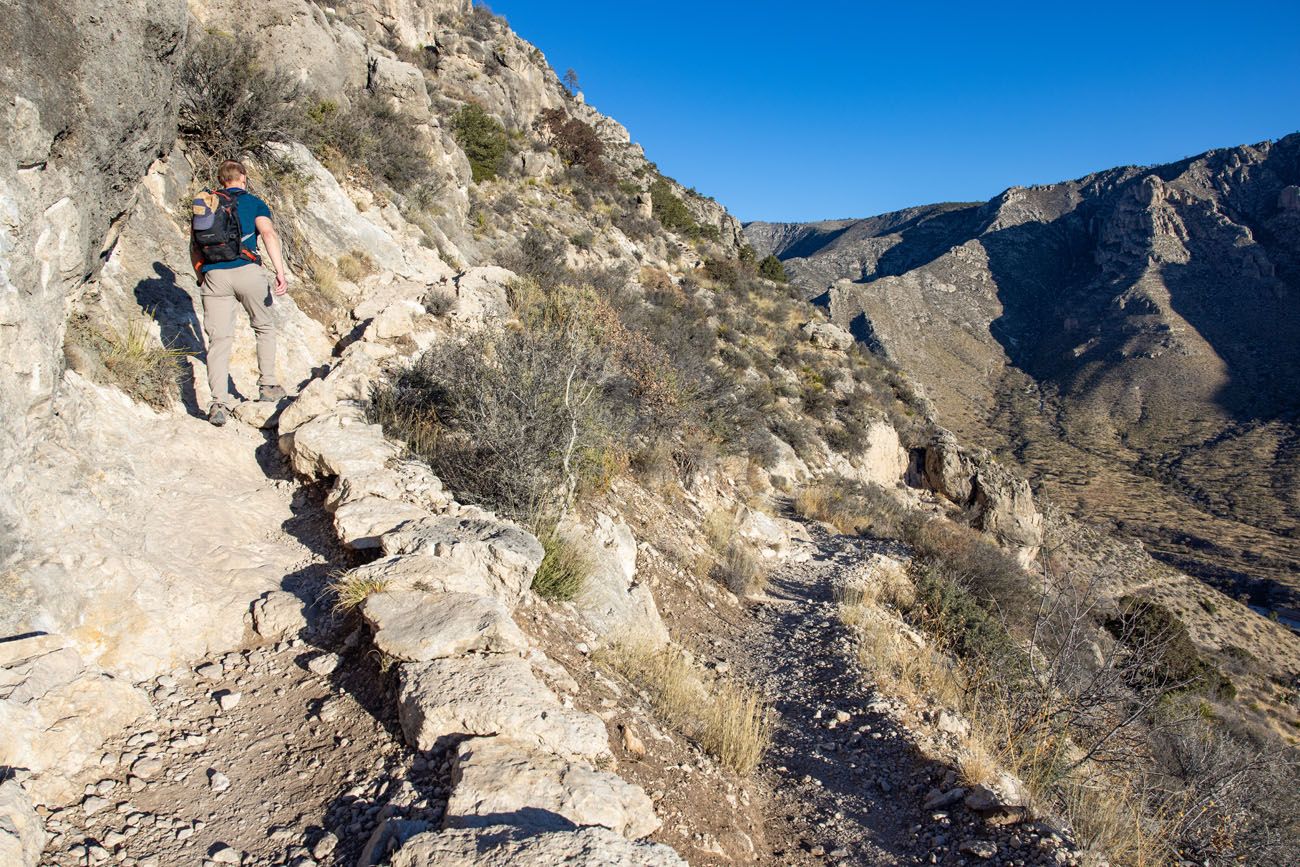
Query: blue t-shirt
[[249, 207]]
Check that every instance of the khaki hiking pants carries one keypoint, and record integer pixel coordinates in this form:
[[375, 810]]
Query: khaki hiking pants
[[223, 289]]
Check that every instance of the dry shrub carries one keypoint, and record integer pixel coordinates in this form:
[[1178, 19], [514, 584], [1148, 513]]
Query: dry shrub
[[355, 266], [564, 569], [132, 359], [440, 301], [852, 507], [728, 719], [231, 104]]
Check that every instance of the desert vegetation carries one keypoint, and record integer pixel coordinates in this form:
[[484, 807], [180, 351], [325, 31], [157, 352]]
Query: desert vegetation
[[728, 719], [1105, 710]]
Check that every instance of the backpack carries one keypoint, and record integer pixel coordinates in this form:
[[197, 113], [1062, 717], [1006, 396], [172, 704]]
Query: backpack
[[215, 228]]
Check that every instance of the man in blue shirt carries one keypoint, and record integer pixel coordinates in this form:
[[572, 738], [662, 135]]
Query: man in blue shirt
[[241, 282]]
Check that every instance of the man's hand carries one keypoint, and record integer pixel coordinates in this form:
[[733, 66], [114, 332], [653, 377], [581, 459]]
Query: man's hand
[[280, 285]]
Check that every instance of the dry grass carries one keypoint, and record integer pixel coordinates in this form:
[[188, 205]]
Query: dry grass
[[1107, 816], [741, 570], [850, 507], [132, 359], [728, 719], [350, 590], [564, 570], [355, 266]]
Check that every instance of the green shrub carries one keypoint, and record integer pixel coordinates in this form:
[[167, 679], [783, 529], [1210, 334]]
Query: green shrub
[[670, 211], [484, 140], [564, 570], [1162, 638], [231, 105], [773, 269]]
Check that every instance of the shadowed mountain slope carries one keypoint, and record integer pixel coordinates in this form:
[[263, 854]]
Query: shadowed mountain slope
[[1132, 338]]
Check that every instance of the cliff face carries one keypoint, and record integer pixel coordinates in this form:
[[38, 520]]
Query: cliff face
[[84, 116], [1132, 337]]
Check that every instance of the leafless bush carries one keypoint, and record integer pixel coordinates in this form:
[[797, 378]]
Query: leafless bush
[[508, 418], [231, 105]]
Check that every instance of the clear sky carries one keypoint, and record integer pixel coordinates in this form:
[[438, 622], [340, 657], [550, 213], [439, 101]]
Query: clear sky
[[794, 111]]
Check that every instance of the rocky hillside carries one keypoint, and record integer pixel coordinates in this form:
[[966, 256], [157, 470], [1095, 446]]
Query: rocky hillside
[[1131, 338], [711, 588]]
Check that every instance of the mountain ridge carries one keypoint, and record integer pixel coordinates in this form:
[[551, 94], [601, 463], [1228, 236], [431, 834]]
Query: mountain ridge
[[1115, 302]]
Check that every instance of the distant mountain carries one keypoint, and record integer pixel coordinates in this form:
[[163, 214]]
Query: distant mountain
[[1131, 338]]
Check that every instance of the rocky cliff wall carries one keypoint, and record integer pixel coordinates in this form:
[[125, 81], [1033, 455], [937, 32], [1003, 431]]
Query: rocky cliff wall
[[84, 116]]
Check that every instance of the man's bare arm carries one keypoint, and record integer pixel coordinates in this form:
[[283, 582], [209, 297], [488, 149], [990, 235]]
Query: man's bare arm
[[266, 229]]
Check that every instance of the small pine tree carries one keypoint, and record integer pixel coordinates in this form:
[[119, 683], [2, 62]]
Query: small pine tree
[[773, 269], [571, 80], [484, 140]]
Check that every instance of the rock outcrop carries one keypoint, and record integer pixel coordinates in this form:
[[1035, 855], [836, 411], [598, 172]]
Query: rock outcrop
[[995, 500]]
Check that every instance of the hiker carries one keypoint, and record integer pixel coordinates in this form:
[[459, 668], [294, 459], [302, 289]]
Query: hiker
[[223, 246]]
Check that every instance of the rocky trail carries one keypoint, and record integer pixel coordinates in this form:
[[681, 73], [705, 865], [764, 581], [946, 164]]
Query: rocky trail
[[850, 785]]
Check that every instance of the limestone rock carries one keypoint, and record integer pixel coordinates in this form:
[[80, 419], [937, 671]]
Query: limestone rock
[[489, 696], [406, 481], [1289, 198], [612, 603], [481, 295], [339, 443], [362, 523], [417, 626], [1005, 508], [278, 615], [495, 781], [45, 687], [396, 320], [762, 531], [504, 553], [349, 380], [22, 836], [1005, 798], [827, 334], [505, 846], [880, 458], [998, 502], [401, 83], [261, 414]]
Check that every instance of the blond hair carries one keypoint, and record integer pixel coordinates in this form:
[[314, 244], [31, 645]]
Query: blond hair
[[230, 170]]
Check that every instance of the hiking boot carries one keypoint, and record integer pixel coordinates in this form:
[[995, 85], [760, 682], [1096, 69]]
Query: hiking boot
[[218, 415], [272, 393]]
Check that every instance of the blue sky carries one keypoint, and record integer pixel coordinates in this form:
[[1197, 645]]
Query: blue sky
[[786, 111]]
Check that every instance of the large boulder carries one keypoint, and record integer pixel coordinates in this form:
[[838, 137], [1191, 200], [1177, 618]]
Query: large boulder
[[612, 602], [493, 695], [417, 626], [495, 781], [995, 500], [503, 553], [506, 846]]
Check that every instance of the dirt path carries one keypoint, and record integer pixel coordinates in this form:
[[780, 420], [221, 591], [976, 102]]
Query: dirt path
[[282, 754], [847, 779]]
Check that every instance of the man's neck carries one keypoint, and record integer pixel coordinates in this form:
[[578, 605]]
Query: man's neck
[[236, 186]]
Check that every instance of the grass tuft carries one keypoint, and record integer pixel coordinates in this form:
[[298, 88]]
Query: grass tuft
[[350, 590], [565, 568], [728, 719]]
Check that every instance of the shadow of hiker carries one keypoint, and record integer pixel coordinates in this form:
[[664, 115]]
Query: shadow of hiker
[[174, 309]]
